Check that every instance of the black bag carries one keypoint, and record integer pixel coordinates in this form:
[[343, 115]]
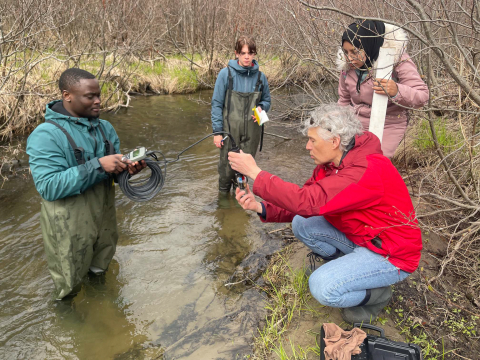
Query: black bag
[[379, 347]]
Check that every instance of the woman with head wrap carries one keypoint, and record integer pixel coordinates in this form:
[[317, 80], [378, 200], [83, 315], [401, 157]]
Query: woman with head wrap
[[361, 44]]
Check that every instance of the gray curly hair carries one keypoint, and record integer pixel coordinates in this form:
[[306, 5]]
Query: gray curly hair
[[333, 120]]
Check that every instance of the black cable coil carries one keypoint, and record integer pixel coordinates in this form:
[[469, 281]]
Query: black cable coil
[[147, 188]]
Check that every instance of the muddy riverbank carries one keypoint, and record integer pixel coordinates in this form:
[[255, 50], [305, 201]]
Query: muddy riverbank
[[441, 317]]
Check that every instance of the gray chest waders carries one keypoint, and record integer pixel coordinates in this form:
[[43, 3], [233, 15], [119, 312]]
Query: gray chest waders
[[237, 120], [79, 231]]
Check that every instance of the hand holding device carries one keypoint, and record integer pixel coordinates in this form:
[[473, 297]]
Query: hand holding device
[[244, 163], [240, 179], [247, 200], [135, 160], [137, 154], [218, 141], [113, 163], [136, 167], [260, 116], [147, 188]]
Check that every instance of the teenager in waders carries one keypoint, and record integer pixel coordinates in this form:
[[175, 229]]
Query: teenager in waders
[[73, 157], [239, 88]]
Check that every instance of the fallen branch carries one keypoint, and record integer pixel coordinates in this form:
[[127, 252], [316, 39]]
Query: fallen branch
[[238, 282], [279, 136], [465, 206], [463, 357], [277, 230]]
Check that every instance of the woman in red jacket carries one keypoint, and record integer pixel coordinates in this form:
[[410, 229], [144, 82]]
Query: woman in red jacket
[[355, 204]]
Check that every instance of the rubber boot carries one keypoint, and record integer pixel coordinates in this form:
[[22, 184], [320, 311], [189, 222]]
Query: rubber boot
[[96, 270], [368, 310], [76, 289]]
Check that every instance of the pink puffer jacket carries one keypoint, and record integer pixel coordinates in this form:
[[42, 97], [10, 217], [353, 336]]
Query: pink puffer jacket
[[412, 91]]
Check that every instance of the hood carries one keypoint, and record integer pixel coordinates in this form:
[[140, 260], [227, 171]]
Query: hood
[[54, 116], [395, 37], [243, 70], [365, 144]]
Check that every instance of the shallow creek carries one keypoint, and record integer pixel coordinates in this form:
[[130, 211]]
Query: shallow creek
[[165, 288]]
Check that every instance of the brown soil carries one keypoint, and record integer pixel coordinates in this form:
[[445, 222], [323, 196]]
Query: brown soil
[[444, 310]]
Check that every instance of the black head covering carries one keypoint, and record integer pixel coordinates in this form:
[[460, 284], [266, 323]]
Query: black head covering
[[368, 36]]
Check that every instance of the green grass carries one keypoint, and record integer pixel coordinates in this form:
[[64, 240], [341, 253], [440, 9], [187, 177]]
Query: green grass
[[448, 139], [415, 333], [185, 77], [107, 88], [288, 294], [300, 284], [174, 75], [109, 93], [146, 68], [297, 352], [44, 75], [93, 64]]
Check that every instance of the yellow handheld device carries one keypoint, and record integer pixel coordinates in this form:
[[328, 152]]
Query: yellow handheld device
[[260, 117], [257, 115]]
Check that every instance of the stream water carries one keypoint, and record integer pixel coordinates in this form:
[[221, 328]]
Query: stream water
[[164, 290]]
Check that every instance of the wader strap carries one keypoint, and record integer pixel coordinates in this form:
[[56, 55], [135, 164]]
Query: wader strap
[[109, 149], [78, 151], [259, 82], [257, 85], [261, 139], [229, 99]]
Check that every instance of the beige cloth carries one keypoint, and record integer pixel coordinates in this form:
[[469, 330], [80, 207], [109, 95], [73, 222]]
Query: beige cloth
[[341, 344]]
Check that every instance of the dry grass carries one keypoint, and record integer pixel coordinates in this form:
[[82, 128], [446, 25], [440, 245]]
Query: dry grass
[[22, 106], [441, 204]]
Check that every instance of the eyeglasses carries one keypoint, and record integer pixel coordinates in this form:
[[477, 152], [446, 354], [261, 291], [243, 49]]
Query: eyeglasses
[[355, 54], [251, 53]]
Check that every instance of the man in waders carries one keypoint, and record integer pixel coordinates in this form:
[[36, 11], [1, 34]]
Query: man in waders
[[73, 157], [239, 88]]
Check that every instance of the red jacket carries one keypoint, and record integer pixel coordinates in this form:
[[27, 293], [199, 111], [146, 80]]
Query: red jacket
[[365, 197]]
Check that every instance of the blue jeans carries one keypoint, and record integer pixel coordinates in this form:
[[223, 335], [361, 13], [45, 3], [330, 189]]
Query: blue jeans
[[343, 282]]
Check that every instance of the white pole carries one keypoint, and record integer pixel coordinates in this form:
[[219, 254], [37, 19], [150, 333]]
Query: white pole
[[385, 62]]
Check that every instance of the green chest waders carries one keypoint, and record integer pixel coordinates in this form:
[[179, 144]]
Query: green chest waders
[[237, 120], [79, 231]]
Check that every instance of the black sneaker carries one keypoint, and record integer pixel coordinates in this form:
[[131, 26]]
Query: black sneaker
[[314, 257]]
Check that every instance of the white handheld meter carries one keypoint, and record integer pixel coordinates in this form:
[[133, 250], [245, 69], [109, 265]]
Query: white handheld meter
[[137, 154]]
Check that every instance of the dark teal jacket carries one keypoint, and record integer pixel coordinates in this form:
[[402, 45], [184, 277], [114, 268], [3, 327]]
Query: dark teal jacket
[[54, 168], [244, 80]]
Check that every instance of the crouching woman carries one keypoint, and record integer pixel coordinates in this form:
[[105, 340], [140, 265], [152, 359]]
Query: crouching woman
[[355, 212]]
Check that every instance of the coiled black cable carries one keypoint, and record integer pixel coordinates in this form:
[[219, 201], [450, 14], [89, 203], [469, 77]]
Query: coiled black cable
[[146, 189]]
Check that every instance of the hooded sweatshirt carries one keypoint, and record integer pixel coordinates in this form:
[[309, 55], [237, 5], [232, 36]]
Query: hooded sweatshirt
[[55, 170], [244, 80], [364, 197]]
